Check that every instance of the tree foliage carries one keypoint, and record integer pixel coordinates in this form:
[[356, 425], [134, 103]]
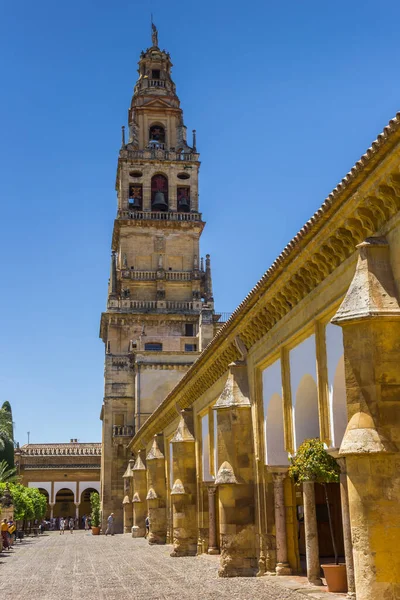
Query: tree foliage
[[7, 474], [95, 505], [313, 463], [7, 427], [29, 503]]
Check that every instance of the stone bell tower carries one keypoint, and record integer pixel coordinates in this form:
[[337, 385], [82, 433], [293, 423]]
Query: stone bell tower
[[160, 311]]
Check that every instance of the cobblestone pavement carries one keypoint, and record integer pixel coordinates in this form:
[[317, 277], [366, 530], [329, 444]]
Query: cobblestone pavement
[[85, 567]]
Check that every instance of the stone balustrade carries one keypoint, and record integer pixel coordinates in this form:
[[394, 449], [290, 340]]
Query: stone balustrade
[[152, 275], [123, 430], [160, 154], [153, 305], [140, 215]]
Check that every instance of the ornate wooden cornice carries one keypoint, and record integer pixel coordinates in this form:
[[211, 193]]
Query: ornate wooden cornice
[[362, 203]]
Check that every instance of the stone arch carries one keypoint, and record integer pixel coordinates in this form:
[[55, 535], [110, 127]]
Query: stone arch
[[339, 404], [159, 192], [157, 134], [306, 410], [274, 436], [64, 503], [84, 504]]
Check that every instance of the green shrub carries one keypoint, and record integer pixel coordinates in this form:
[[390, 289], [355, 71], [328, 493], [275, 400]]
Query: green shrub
[[95, 505]]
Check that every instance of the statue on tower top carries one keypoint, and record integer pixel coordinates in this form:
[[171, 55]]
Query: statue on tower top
[[154, 34]]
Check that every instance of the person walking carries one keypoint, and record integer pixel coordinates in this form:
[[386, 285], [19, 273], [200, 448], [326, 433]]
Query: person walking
[[147, 524], [62, 525], [87, 524], [110, 524], [4, 534], [71, 524]]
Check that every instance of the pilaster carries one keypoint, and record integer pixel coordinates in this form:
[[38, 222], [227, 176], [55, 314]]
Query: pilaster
[[156, 492], [139, 497], [370, 318], [183, 493], [235, 477]]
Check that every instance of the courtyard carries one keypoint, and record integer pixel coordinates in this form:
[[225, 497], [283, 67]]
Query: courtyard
[[83, 567]]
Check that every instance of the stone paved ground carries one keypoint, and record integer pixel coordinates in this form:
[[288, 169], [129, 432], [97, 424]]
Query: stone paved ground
[[84, 567]]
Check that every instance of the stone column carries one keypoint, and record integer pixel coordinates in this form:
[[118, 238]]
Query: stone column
[[139, 497], [348, 546], [183, 493], [212, 520], [235, 477], [126, 502], [282, 565], [156, 492], [311, 534], [51, 510], [77, 504], [370, 318]]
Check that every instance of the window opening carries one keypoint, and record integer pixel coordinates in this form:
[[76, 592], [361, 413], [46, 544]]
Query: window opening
[[159, 192], [189, 329], [183, 196], [190, 347], [153, 346]]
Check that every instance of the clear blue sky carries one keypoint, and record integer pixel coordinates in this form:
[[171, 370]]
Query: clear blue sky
[[285, 97]]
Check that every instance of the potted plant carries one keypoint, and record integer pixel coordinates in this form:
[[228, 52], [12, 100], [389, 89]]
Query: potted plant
[[95, 506], [313, 463]]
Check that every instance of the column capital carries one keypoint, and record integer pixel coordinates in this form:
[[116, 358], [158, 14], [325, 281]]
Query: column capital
[[211, 489]]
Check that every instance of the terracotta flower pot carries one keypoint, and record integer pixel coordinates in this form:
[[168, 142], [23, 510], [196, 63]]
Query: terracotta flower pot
[[336, 577], [95, 530]]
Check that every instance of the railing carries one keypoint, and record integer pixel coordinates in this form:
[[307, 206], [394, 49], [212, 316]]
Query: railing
[[152, 275], [157, 83], [143, 304], [159, 154], [123, 430], [223, 317], [158, 215]]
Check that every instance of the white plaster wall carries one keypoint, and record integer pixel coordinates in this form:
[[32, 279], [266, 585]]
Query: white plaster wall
[[171, 472], [45, 485], [85, 485], [275, 453], [68, 485], [215, 443], [205, 436], [336, 383], [303, 381]]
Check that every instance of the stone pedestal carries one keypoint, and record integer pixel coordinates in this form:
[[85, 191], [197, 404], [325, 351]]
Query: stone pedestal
[[139, 504], [156, 493], [282, 565], [183, 493], [370, 318], [311, 534], [212, 520], [235, 477]]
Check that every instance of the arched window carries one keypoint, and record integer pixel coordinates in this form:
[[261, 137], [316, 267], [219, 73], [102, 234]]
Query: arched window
[[159, 192], [156, 135], [183, 198]]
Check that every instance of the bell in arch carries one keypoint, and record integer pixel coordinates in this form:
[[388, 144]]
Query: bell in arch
[[183, 204], [159, 202], [134, 203]]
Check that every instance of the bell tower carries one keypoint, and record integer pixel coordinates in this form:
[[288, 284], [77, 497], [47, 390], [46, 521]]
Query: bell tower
[[160, 311]]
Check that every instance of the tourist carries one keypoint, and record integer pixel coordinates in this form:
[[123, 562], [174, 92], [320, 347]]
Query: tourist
[[110, 524], [87, 527], [71, 524], [147, 524], [62, 525], [4, 534]]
